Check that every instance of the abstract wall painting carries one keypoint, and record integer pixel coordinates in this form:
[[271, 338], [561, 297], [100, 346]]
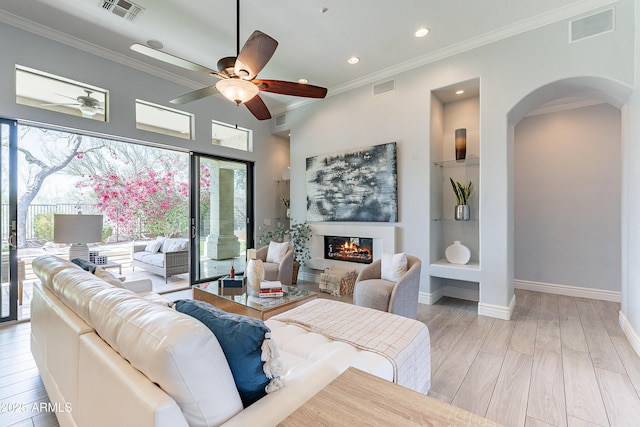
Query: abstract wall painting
[[355, 185]]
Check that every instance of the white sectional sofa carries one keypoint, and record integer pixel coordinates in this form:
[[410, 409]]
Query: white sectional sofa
[[115, 358]]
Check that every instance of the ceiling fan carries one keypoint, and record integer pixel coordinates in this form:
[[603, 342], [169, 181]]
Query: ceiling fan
[[238, 73], [89, 106]]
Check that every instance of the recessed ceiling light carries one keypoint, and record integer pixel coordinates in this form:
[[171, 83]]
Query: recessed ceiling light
[[422, 32], [354, 60], [303, 81], [459, 92]]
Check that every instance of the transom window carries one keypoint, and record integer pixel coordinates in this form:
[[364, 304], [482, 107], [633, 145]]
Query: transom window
[[163, 120], [50, 92], [229, 136]]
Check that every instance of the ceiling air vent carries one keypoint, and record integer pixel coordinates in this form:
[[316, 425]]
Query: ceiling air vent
[[281, 120], [123, 8], [384, 87], [589, 26]]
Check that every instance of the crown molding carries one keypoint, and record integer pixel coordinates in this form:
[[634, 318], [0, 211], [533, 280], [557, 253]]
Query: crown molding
[[49, 33]]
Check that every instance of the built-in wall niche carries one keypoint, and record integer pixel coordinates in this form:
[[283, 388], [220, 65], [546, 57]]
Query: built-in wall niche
[[456, 106]]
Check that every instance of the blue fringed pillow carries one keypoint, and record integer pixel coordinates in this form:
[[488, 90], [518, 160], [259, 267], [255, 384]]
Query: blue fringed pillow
[[246, 343]]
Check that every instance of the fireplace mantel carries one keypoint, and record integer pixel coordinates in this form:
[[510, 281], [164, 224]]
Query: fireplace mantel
[[384, 239]]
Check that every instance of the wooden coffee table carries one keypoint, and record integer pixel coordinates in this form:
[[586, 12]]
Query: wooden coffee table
[[236, 300], [357, 398]]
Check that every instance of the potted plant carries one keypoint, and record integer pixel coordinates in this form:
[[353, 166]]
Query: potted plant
[[299, 236], [463, 194]]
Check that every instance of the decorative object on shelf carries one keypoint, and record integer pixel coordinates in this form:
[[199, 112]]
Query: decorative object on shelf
[[254, 272], [286, 173], [354, 185], [287, 204], [461, 143], [463, 194], [299, 236], [457, 253]]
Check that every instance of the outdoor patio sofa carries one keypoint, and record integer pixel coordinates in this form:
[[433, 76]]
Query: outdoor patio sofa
[[164, 256], [115, 358]]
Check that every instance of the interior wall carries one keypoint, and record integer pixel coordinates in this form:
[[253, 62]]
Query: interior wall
[[567, 198]]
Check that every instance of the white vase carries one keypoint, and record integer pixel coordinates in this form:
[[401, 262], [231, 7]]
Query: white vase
[[254, 271], [457, 253]]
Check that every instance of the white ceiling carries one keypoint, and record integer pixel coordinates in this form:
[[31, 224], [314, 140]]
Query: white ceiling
[[313, 43]]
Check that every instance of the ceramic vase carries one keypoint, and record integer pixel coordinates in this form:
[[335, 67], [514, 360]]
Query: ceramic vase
[[457, 253], [254, 271], [461, 144]]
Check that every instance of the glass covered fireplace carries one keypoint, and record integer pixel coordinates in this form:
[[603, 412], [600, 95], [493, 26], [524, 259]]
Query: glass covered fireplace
[[352, 249]]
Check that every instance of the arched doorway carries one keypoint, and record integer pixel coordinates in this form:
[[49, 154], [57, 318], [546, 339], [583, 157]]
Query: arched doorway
[[566, 140]]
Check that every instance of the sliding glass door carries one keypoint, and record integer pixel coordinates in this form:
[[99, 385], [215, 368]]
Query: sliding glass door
[[221, 212], [8, 191]]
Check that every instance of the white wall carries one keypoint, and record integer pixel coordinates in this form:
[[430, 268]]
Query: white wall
[[508, 71], [126, 84], [630, 313], [567, 198]]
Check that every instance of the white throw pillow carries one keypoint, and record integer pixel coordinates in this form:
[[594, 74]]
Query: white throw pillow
[[276, 251], [393, 266], [153, 246]]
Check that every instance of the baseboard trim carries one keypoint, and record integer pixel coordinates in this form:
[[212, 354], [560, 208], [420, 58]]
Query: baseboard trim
[[570, 291], [430, 298], [629, 332], [497, 311], [448, 291]]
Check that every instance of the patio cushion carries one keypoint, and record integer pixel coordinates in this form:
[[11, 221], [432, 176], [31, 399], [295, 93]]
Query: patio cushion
[[156, 259], [174, 245]]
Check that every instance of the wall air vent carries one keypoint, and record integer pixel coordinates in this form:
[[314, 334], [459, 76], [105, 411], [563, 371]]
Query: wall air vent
[[123, 8], [592, 25], [281, 119], [384, 87]]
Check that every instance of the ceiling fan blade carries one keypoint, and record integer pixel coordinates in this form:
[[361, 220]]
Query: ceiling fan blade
[[258, 108], [291, 88], [255, 54], [195, 95], [171, 59], [70, 103]]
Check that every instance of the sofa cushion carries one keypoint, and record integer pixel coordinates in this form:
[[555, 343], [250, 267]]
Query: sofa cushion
[[108, 277], [173, 350], [393, 266], [156, 259], [174, 245], [153, 246], [247, 345]]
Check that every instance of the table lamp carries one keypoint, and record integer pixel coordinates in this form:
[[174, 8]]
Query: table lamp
[[77, 230]]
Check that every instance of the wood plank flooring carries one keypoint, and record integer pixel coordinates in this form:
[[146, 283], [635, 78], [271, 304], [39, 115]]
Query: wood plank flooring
[[560, 361]]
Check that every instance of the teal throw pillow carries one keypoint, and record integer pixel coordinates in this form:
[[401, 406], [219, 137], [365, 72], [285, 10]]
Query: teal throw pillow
[[246, 343]]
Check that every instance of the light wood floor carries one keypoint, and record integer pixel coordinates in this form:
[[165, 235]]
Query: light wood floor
[[560, 361]]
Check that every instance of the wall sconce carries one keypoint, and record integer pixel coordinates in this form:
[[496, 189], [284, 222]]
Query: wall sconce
[[461, 144]]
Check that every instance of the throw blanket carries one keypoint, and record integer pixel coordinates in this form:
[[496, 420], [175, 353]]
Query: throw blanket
[[404, 342]]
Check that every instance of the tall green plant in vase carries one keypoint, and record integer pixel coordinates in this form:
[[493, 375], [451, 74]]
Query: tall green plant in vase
[[463, 194], [299, 236]]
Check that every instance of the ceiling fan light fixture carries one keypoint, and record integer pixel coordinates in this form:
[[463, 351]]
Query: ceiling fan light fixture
[[237, 90], [303, 81], [88, 110]]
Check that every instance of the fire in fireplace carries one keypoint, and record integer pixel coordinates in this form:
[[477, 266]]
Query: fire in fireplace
[[352, 249]]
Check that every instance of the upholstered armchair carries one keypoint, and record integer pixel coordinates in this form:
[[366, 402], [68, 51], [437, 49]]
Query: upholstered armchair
[[400, 297], [277, 267]]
